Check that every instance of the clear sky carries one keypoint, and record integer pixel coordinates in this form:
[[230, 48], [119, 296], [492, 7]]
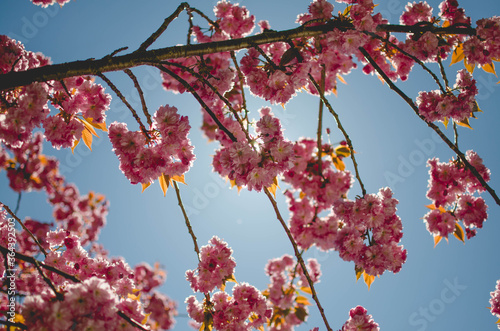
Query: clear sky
[[442, 288]]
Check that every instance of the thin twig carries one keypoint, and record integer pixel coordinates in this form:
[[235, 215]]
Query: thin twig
[[59, 296], [131, 321], [186, 218], [414, 58], [455, 131], [344, 132], [241, 80], [466, 30], [220, 96], [199, 12], [13, 325], [200, 100], [432, 126], [443, 73], [24, 228], [124, 100], [320, 121], [299, 258], [141, 95], [18, 203], [162, 28]]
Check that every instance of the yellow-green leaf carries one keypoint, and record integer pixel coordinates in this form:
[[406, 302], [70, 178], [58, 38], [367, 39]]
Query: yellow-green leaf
[[87, 138], [342, 150], [459, 233], [338, 163], [164, 182], [347, 10], [445, 122], [146, 317], [341, 79], [288, 56], [469, 67], [359, 271], [368, 279], [490, 67], [437, 239], [134, 297], [306, 289], [88, 126], [273, 186], [231, 279], [145, 186], [498, 322], [458, 54], [179, 179], [100, 126], [302, 300], [301, 313], [302, 194], [465, 123], [74, 146], [431, 206]]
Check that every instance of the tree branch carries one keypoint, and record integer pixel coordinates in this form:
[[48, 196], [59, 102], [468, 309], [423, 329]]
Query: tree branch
[[432, 126], [108, 63]]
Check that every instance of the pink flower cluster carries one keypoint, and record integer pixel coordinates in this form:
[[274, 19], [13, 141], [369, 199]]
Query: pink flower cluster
[[375, 215], [451, 186], [83, 216], [256, 167], [26, 108], [319, 10], [215, 267], [272, 83], [231, 313], [495, 302], [46, 3], [435, 106], [323, 187], [484, 47], [166, 150], [234, 20], [453, 14], [282, 293], [28, 169], [92, 304], [415, 13], [359, 320]]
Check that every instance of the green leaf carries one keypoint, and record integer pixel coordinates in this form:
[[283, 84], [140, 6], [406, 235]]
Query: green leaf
[[459, 233]]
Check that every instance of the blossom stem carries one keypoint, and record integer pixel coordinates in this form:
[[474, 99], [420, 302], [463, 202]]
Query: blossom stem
[[344, 132], [186, 218], [141, 95], [320, 120], [162, 28], [200, 100], [299, 258], [124, 100]]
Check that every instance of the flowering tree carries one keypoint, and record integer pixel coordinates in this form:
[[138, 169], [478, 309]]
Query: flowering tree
[[57, 276]]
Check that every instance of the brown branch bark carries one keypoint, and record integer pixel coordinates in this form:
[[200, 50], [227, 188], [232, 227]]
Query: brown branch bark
[[116, 63]]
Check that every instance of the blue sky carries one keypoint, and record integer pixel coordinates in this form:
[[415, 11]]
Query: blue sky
[[442, 288]]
